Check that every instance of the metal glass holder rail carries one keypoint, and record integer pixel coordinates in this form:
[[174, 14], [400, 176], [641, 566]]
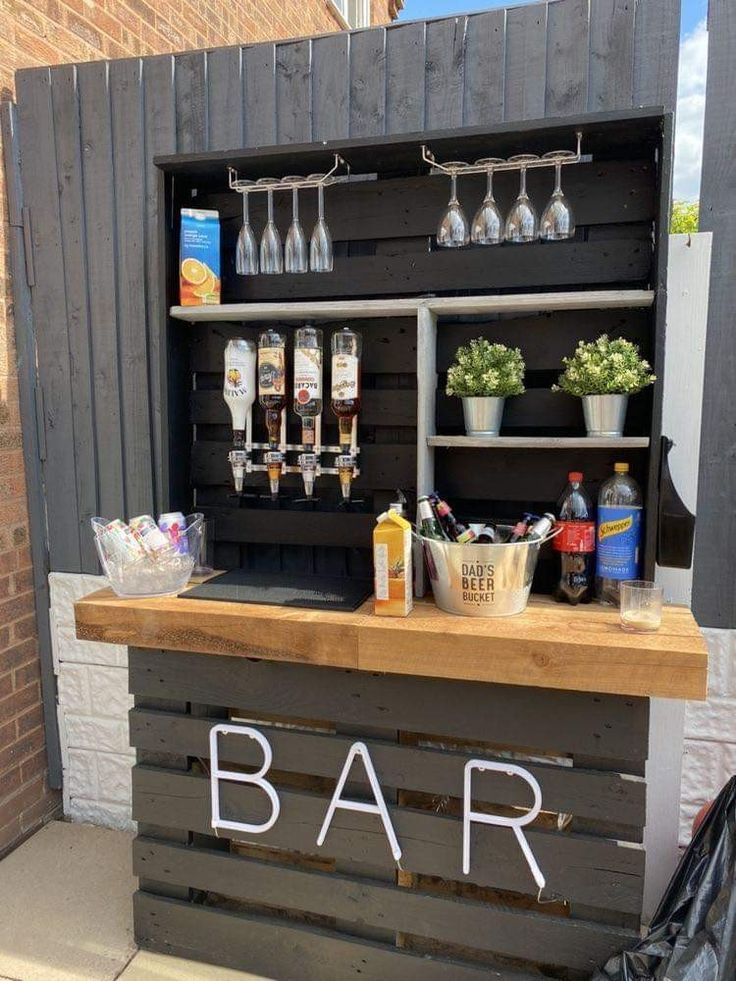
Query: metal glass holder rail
[[245, 186], [521, 161]]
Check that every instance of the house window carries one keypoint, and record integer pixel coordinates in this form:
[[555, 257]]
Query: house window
[[357, 13]]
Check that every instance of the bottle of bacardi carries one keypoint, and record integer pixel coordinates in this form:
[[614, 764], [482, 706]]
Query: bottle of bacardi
[[308, 380], [347, 348]]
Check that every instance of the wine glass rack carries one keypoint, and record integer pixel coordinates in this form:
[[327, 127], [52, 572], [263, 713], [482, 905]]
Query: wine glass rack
[[527, 161], [245, 186]]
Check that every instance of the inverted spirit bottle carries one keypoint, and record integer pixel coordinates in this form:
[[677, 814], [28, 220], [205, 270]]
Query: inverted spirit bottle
[[239, 392], [272, 396], [347, 349], [308, 380]]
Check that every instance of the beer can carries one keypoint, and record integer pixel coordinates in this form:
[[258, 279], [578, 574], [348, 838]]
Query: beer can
[[173, 525], [153, 539], [120, 541]]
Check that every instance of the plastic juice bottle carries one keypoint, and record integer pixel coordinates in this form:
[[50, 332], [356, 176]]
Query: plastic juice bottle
[[392, 565], [618, 535]]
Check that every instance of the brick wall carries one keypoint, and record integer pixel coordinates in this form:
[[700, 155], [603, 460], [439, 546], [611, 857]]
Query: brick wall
[[46, 32]]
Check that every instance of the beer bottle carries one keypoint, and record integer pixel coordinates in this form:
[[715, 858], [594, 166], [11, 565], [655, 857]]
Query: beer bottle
[[541, 528], [272, 381], [454, 530], [428, 525], [346, 353], [520, 529]]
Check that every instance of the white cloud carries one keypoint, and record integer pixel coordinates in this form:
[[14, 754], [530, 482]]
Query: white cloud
[[690, 111]]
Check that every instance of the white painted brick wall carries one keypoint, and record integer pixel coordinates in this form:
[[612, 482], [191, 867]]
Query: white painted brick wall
[[709, 760], [92, 682]]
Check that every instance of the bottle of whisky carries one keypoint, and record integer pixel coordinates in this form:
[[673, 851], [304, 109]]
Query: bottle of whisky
[[346, 356], [308, 380]]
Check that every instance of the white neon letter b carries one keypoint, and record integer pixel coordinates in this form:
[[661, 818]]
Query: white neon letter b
[[257, 779]]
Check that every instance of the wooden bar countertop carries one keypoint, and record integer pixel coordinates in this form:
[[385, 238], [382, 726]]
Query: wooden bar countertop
[[550, 645]]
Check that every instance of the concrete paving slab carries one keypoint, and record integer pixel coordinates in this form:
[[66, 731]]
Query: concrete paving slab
[[66, 905], [147, 966]]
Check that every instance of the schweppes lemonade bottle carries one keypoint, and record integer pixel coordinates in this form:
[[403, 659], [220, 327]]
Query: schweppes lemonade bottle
[[618, 533]]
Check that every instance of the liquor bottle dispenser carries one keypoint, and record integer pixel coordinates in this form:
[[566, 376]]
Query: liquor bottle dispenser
[[346, 357], [239, 392], [308, 400], [272, 397]]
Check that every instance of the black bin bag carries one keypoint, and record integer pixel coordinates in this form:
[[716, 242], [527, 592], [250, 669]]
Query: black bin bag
[[693, 934]]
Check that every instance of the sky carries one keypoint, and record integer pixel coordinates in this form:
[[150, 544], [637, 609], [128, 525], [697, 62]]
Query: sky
[[690, 89]]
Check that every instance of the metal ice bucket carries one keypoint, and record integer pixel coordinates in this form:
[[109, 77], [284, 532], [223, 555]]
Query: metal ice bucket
[[481, 580]]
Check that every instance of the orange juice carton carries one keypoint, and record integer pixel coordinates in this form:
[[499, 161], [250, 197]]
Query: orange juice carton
[[199, 257], [392, 565]]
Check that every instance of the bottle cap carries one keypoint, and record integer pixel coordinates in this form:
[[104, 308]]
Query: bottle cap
[[621, 468], [575, 477]]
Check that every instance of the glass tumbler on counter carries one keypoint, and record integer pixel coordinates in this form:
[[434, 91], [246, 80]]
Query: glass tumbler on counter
[[641, 606]]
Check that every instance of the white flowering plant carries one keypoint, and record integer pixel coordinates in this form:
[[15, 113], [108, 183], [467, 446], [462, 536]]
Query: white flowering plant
[[485, 369], [604, 367]]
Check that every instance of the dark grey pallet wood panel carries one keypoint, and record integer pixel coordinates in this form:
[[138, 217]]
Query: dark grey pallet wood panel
[[444, 73], [259, 97], [714, 598], [99, 216], [611, 52], [552, 940], [656, 51], [191, 102], [225, 98], [405, 77], [302, 527], [526, 61], [291, 952], [568, 35], [330, 87], [293, 92], [367, 101], [485, 46], [126, 99], [590, 794], [71, 211], [588, 870], [48, 298], [606, 726], [379, 407]]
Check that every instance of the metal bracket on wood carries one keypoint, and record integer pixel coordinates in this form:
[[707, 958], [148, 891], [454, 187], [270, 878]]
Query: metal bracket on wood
[[244, 186], [528, 161]]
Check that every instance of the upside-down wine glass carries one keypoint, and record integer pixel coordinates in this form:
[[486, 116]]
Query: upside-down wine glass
[[272, 257], [522, 224], [246, 251], [296, 254], [557, 221], [320, 247], [488, 226], [453, 231]]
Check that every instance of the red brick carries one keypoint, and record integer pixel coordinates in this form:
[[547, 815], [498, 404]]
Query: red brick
[[33, 765], [29, 720], [22, 749], [17, 607], [47, 805], [8, 561], [8, 734], [21, 699], [27, 673], [10, 835], [13, 657], [25, 629], [16, 803], [22, 581]]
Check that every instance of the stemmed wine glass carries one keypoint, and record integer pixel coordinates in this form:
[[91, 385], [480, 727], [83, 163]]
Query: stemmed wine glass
[[522, 224], [557, 221], [272, 258], [246, 252], [320, 247], [488, 227], [452, 231], [296, 257]]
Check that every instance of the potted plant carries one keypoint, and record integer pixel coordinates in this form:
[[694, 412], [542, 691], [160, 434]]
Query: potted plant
[[603, 374], [483, 376]]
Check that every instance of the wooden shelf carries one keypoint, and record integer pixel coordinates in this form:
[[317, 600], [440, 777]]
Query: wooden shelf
[[541, 442], [410, 306]]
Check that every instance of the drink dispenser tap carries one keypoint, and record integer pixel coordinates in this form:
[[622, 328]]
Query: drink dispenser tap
[[308, 399], [272, 397], [239, 392], [347, 346]]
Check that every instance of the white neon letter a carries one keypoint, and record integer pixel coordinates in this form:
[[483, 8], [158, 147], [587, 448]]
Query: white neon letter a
[[257, 779], [361, 750]]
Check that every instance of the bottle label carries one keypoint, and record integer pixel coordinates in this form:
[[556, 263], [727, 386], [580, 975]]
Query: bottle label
[[236, 378], [618, 537], [271, 372], [576, 536], [380, 559], [344, 377], [307, 374]]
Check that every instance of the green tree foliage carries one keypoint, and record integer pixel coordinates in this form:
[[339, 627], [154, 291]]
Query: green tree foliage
[[685, 217]]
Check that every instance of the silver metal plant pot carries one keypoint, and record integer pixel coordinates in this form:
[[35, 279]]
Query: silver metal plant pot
[[483, 415], [605, 415]]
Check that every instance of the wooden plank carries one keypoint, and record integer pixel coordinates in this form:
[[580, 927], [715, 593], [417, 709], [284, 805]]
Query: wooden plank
[[190, 81], [379, 407], [656, 53], [293, 92], [367, 105], [330, 87], [444, 73], [526, 62], [594, 795], [71, 213], [541, 442], [485, 47], [405, 58], [224, 98], [610, 79], [592, 871], [259, 99], [271, 946], [48, 298], [322, 528], [126, 106], [568, 37], [531, 936]]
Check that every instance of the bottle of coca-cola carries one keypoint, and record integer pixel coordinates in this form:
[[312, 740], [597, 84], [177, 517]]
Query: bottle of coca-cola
[[575, 543]]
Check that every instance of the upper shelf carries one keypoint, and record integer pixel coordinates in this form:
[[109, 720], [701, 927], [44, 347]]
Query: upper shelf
[[542, 442], [410, 306]]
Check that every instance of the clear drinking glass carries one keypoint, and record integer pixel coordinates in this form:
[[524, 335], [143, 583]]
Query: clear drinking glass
[[641, 606], [522, 224], [272, 257], [320, 247], [453, 231], [488, 226], [296, 253], [557, 221], [246, 251]]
